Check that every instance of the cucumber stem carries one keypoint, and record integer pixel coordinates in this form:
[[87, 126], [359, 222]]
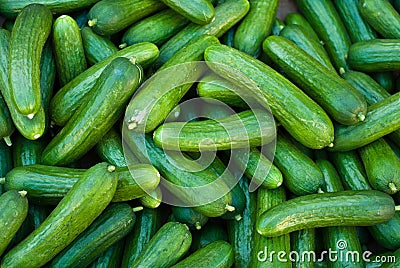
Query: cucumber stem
[[30, 116], [392, 187], [111, 168], [342, 70], [132, 126], [2, 180], [238, 217], [229, 208], [124, 45], [136, 209], [397, 208], [133, 59], [23, 193], [320, 191], [7, 140], [92, 23], [361, 116], [36, 136], [197, 225], [330, 145]]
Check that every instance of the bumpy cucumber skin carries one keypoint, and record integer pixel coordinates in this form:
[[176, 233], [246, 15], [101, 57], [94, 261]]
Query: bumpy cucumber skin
[[6, 124], [27, 152], [86, 200], [298, 19], [6, 161], [386, 80], [212, 231], [303, 241], [152, 199], [199, 12], [111, 257], [190, 217], [110, 150], [96, 47]]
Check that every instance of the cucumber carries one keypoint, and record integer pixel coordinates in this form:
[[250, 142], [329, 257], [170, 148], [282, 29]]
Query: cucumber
[[382, 16], [190, 217], [85, 129], [298, 19], [218, 254], [109, 16], [345, 208], [110, 150], [81, 18], [382, 166], [111, 257], [228, 37], [304, 40], [78, 209], [386, 80], [303, 242], [8, 24], [211, 232], [152, 199], [238, 202], [200, 12], [277, 26], [113, 224], [241, 130], [226, 15], [34, 20], [96, 47], [375, 55], [14, 209], [338, 98], [70, 97], [256, 26], [6, 124], [47, 78], [27, 152], [211, 110], [172, 240], [294, 113], [156, 29], [68, 49], [5, 163]]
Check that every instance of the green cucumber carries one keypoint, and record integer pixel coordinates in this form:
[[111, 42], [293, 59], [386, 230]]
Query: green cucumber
[[199, 12], [218, 254], [338, 98], [211, 232], [241, 130], [300, 115], [85, 129], [8, 24], [211, 110], [35, 21], [189, 216], [152, 199], [298, 19], [148, 221], [345, 208], [113, 224], [238, 202], [386, 80], [226, 15], [109, 16], [166, 247], [47, 78], [14, 209], [156, 29], [110, 150], [277, 26], [375, 55], [5, 163], [382, 16], [78, 209], [27, 152], [69, 53], [111, 257], [228, 37], [303, 242], [6, 124], [327, 24], [304, 40], [81, 18], [96, 47], [70, 97], [255, 26]]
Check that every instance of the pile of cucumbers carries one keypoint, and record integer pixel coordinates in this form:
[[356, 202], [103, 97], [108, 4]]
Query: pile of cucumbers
[[303, 113]]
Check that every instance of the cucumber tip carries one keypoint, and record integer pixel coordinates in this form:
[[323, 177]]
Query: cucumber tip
[[23, 193], [122, 46], [2, 180], [197, 225], [37, 136], [136, 209], [111, 168], [238, 217], [229, 208], [361, 116], [30, 116], [92, 23], [7, 140]]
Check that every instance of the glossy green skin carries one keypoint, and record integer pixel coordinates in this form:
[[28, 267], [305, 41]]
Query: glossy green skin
[[238, 202], [24, 63], [6, 124], [110, 150], [299, 114], [382, 118], [327, 24], [109, 16], [6, 161], [266, 199], [81, 18], [69, 53], [240, 130], [156, 29], [70, 97], [80, 207], [277, 26], [14, 209], [386, 80], [190, 217], [345, 208], [200, 12], [113, 224], [256, 26], [228, 37], [298, 19], [304, 40], [47, 78], [153, 111], [96, 47], [382, 16], [301, 175], [166, 247], [152, 199], [211, 232], [10, 8], [27, 152], [375, 55], [111, 257], [85, 129], [303, 241], [226, 15]]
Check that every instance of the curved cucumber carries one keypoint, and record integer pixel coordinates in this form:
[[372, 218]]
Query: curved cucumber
[[190, 217], [200, 12], [111, 257], [152, 199], [298, 19], [110, 150], [96, 47]]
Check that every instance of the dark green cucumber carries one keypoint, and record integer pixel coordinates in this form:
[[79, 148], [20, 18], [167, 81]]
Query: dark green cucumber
[[238, 202], [69, 53], [218, 254], [386, 80], [85, 129], [338, 98], [255, 26], [226, 15], [382, 166], [148, 221], [298, 19], [375, 55], [241, 130], [6, 124], [156, 29], [27, 152], [78, 209], [144, 112], [190, 217], [70, 97], [301, 175], [152, 199], [113, 224], [81, 18], [96, 47], [345, 208], [35, 21], [14, 209], [277, 26], [228, 37], [47, 78], [327, 24], [8, 24], [199, 12], [112, 257], [303, 242], [382, 16], [166, 247], [299, 35], [211, 232], [110, 150], [109, 17], [300, 115], [5, 163]]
